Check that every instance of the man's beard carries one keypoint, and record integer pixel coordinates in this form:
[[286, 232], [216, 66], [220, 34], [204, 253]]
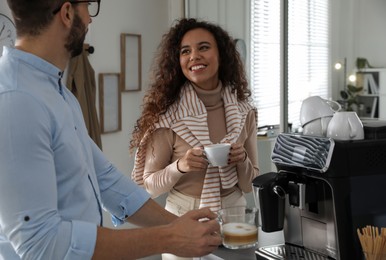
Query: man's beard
[[76, 37]]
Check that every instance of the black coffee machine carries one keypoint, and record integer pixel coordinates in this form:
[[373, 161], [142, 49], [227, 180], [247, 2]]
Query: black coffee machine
[[322, 192]]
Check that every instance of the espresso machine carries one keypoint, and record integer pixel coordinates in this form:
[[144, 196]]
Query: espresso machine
[[322, 192]]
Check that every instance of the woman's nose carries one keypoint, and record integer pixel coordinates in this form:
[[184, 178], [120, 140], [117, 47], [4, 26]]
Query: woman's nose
[[194, 55]]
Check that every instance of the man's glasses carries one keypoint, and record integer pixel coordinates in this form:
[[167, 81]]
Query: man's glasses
[[93, 6]]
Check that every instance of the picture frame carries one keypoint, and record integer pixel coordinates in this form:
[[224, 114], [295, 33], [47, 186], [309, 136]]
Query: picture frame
[[131, 62], [110, 102]]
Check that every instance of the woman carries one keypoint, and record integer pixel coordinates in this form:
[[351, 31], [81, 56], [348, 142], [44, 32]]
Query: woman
[[199, 96]]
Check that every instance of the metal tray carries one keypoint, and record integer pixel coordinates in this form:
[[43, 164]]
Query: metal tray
[[287, 252]]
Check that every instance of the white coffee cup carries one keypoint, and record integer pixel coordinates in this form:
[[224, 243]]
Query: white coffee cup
[[345, 125], [315, 107], [317, 127], [217, 154]]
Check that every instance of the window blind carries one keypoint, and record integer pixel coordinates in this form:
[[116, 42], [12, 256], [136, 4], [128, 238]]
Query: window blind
[[308, 56]]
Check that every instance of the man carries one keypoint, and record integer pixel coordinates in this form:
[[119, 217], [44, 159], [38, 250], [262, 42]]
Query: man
[[54, 180]]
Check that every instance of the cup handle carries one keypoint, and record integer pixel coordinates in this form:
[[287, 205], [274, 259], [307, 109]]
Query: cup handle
[[334, 103], [324, 126], [353, 131], [205, 156]]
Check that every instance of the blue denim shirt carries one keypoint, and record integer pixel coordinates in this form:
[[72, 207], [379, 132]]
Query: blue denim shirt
[[54, 181]]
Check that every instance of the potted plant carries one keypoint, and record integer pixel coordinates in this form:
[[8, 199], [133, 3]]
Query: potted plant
[[350, 96]]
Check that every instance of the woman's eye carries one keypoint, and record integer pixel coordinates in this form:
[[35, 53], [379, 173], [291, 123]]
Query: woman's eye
[[184, 51], [204, 47]]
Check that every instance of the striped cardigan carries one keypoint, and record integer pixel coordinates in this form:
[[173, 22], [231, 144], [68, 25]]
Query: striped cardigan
[[188, 119]]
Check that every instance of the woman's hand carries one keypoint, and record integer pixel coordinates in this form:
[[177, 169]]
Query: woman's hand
[[193, 160], [237, 154]]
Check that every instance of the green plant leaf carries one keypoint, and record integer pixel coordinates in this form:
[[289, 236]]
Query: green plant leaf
[[354, 89]]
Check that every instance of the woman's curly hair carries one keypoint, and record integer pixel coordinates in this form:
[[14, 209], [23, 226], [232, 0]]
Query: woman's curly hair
[[168, 78]]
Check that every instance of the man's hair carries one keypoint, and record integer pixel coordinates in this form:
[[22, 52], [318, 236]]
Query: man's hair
[[33, 16]]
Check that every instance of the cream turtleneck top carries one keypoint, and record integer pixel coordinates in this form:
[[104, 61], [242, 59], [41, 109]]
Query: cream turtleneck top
[[215, 108]]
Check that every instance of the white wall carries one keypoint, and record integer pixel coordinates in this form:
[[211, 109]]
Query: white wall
[[357, 31], [368, 35]]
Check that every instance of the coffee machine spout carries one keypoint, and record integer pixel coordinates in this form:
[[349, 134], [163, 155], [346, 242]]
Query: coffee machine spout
[[269, 191]]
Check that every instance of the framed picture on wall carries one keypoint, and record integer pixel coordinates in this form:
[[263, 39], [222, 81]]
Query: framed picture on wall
[[130, 62], [110, 102]]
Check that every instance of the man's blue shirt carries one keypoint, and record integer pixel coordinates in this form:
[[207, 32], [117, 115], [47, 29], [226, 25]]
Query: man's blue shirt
[[54, 181]]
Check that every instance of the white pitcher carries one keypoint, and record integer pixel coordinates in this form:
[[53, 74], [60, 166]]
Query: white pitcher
[[345, 125]]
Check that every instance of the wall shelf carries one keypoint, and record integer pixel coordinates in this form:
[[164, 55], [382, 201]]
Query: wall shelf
[[372, 99]]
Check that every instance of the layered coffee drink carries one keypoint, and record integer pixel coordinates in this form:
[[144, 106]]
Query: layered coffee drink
[[239, 235]]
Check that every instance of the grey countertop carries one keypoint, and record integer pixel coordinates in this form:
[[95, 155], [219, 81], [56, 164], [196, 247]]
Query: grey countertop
[[222, 253], [239, 254]]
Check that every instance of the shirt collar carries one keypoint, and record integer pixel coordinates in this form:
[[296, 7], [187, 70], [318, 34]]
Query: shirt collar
[[34, 61], [40, 64]]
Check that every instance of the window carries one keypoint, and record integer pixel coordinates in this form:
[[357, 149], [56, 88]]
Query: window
[[279, 89]]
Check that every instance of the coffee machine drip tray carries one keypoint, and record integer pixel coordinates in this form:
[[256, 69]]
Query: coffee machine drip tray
[[287, 252]]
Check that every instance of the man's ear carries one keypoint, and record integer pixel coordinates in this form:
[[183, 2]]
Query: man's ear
[[67, 13]]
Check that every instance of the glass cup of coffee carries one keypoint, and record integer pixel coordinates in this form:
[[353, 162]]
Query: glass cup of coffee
[[239, 227]]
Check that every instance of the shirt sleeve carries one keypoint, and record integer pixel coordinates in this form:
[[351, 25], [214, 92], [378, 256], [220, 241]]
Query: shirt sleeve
[[160, 173], [29, 215], [120, 195], [249, 169]]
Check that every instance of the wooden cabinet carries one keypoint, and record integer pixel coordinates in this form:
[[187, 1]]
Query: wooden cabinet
[[372, 100]]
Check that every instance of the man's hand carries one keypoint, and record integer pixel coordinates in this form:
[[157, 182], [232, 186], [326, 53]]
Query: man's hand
[[192, 236]]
